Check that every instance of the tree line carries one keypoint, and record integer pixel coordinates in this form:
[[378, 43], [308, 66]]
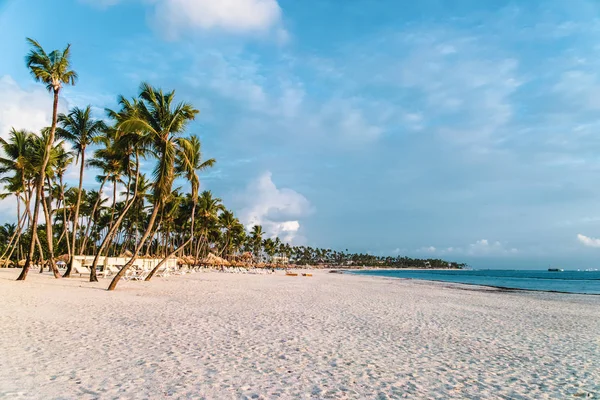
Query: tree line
[[144, 214]]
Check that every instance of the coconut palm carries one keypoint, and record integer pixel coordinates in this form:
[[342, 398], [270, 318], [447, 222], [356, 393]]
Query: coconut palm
[[129, 145], [17, 161], [256, 235], [80, 129], [39, 150], [54, 71], [188, 163], [161, 120]]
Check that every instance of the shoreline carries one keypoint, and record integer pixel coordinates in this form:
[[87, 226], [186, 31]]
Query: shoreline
[[501, 288]]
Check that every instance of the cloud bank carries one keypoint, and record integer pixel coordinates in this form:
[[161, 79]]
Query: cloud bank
[[279, 211]]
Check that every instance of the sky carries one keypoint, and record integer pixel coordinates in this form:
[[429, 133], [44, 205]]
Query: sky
[[461, 129]]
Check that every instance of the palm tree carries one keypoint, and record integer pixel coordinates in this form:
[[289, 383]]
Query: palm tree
[[63, 160], [161, 120], [53, 70], [17, 150], [188, 163], [38, 155], [256, 236], [128, 143], [209, 208], [80, 129], [270, 249], [228, 222]]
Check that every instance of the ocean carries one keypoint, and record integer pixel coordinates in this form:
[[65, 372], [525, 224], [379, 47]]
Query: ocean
[[584, 282]]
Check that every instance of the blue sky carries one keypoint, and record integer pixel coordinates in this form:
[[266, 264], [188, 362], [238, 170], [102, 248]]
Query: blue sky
[[466, 130]]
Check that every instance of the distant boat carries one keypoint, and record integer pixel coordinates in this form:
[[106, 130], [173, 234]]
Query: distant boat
[[555, 270]]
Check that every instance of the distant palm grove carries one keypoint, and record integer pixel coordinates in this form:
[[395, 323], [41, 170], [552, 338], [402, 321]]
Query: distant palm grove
[[142, 215]]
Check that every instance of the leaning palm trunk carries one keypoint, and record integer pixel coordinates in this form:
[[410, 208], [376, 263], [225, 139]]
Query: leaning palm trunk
[[64, 208], [94, 209], [136, 252], [108, 238], [17, 235], [39, 187], [50, 239], [75, 219], [175, 251], [164, 260]]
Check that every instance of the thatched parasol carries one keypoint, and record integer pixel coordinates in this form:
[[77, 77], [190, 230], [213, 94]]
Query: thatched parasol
[[126, 253], [211, 259]]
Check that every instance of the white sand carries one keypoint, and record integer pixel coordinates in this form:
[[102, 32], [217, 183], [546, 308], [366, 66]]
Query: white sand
[[225, 336]]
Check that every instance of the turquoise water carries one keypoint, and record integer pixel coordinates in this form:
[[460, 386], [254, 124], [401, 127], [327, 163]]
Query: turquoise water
[[585, 282]]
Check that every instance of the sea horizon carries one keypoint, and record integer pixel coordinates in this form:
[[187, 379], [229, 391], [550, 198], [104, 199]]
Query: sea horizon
[[566, 281]]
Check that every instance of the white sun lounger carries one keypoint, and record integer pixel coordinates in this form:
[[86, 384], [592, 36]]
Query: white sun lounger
[[81, 270]]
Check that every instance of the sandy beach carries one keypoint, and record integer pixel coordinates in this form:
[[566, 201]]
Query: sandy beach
[[228, 336]]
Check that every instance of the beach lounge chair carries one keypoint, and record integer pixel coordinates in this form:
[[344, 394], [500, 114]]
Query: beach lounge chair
[[81, 270], [291, 274], [306, 274], [163, 271]]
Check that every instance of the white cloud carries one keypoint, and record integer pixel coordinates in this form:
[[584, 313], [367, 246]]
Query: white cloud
[[237, 16], [172, 17], [29, 109], [481, 248], [429, 249], [279, 211], [588, 241]]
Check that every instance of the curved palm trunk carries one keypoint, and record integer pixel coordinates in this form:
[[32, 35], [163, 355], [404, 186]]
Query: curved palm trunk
[[94, 209], [138, 247], [50, 239], [160, 264], [39, 187], [65, 223], [153, 234], [107, 239], [10, 248], [67, 273]]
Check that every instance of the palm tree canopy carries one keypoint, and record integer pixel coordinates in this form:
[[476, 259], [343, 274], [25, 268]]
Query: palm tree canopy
[[189, 161], [52, 69], [79, 128], [159, 118], [17, 151]]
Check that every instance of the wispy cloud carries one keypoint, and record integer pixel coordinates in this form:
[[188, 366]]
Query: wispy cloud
[[481, 248], [588, 241]]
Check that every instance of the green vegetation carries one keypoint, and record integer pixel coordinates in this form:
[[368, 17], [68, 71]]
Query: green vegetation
[[148, 217]]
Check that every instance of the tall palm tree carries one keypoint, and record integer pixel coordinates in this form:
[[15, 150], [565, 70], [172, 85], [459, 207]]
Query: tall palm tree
[[256, 236], [188, 163], [38, 155], [17, 160], [228, 222], [161, 119], [80, 129], [209, 208], [128, 146], [54, 71], [63, 160]]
